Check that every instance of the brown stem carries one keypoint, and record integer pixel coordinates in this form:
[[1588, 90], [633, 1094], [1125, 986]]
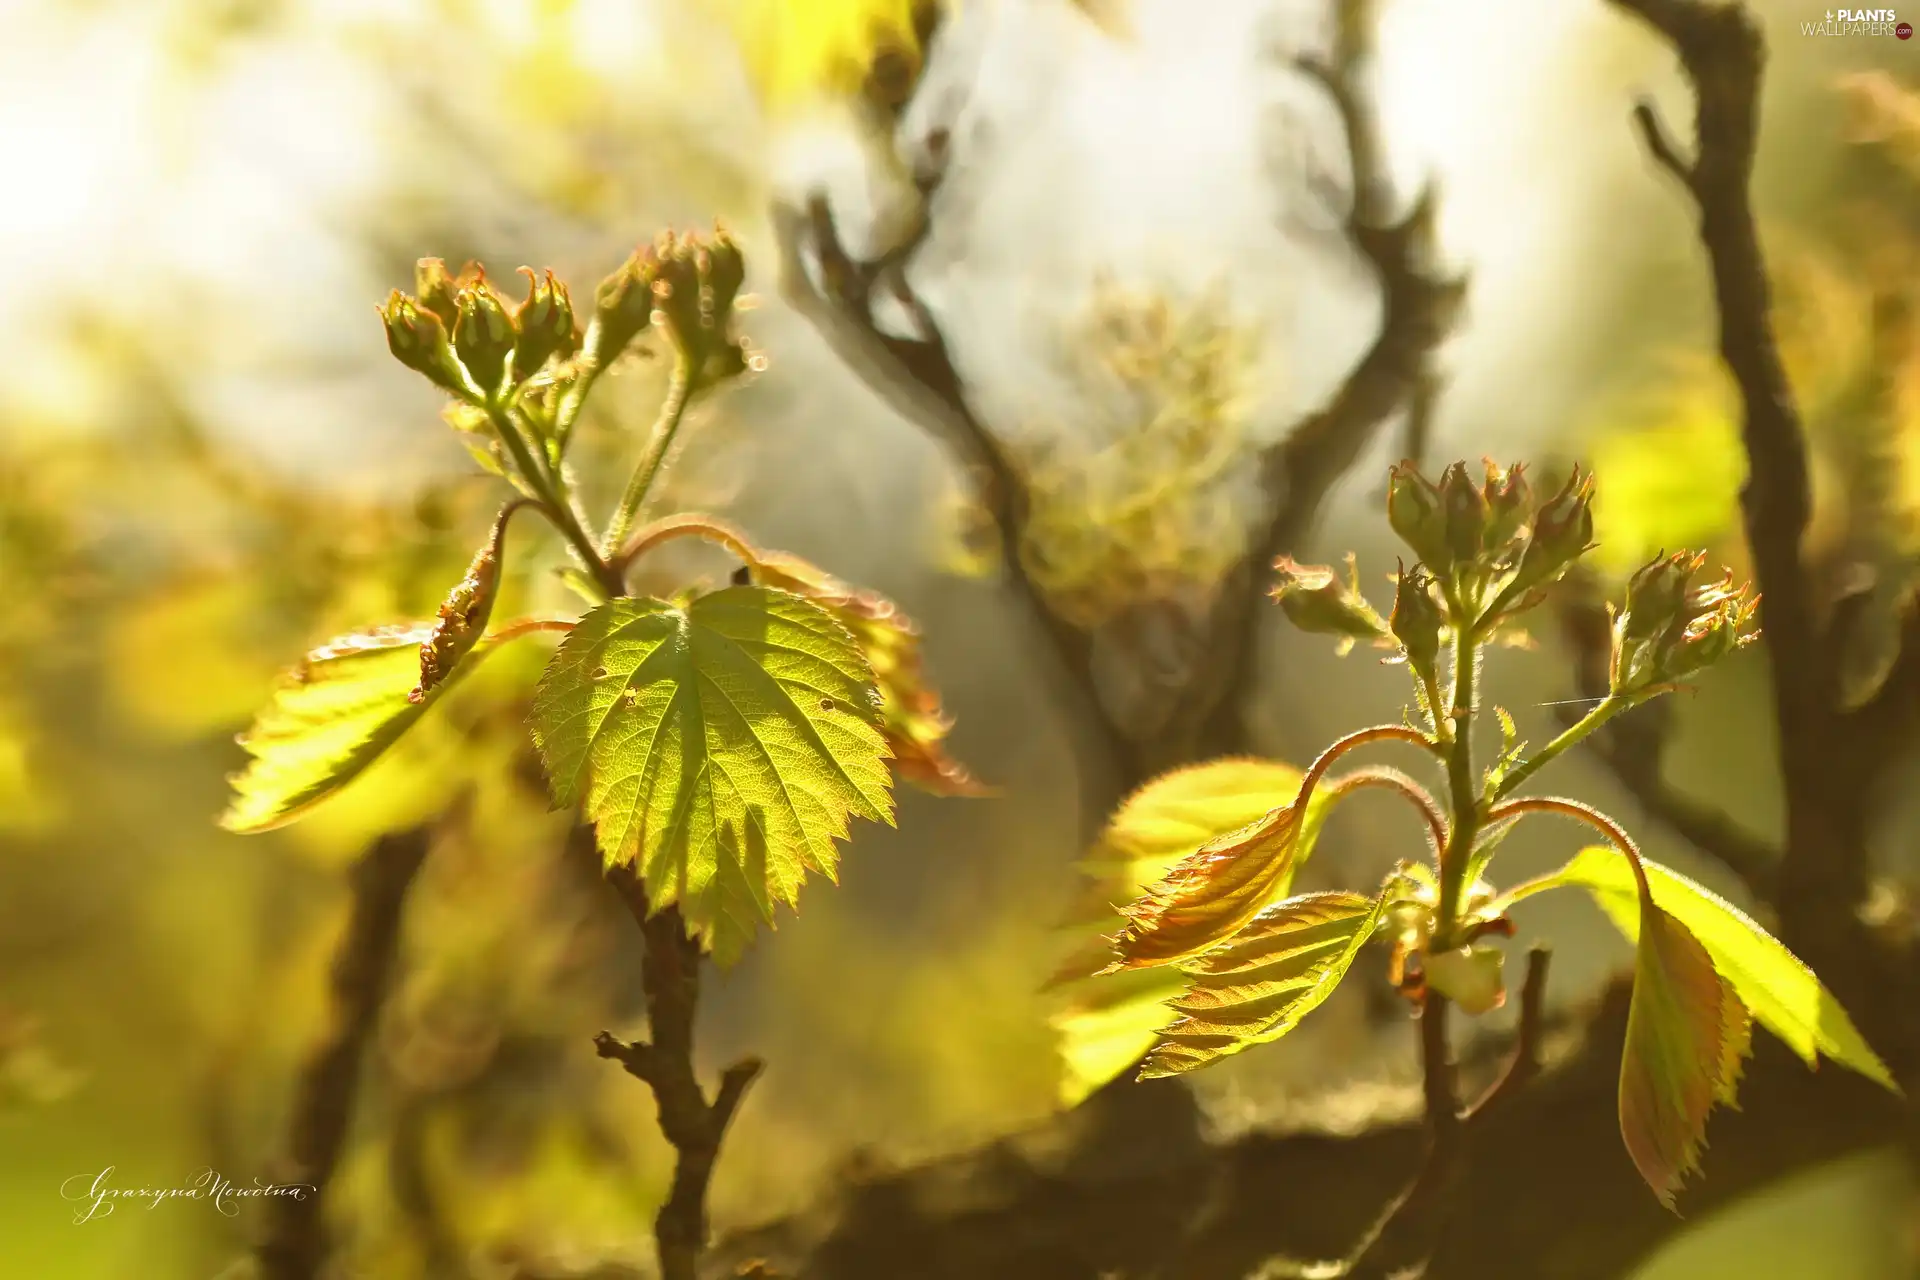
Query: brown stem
[[295, 1243], [1825, 772], [1524, 1063], [670, 975]]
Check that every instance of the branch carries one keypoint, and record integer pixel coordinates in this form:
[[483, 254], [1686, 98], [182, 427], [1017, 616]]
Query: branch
[[1722, 52], [295, 1243], [670, 974], [918, 379], [1222, 1211], [1419, 308]]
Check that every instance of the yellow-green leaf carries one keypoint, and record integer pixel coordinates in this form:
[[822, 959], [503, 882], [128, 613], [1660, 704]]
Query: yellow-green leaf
[[1210, 895], [1783, 993], [1281, 967], [330, 718], [1686, 1033], [721, 746]]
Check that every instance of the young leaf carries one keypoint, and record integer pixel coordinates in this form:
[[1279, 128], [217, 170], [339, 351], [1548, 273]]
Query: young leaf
[[1686, 1034], [721, 746], [1108, 1025], [911, 715], [1784, 995], [1285, 963], [1170, 817], [331, 717], [1209, 895], [463, 618]]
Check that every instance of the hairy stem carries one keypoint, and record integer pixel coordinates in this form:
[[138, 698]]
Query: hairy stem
[[1465, 796], [295, 1243], [1585, 813], [559, 512], [686, 525], [673, 411], [1609, 708]]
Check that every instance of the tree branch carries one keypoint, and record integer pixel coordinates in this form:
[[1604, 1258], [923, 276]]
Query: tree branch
[[1222, 1212], [1823, 873], [295, 1243], [670, 974], [1419, 308]]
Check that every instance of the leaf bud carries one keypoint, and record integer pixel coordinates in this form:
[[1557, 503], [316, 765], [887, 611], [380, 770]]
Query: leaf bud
[[437, 290], [1465, 510], [1509, 502], [1316, 600], [1414, 510], [418, 340], [483, 334], [545, 324], [1562, 533], [623, 306], [1470, 976], [1418, 620]]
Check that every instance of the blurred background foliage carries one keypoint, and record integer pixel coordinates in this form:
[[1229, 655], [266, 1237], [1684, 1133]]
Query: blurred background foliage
[[208, 465]]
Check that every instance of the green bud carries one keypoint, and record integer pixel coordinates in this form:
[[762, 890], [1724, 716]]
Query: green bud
[[1562, 533], [623, 305], [1465, 510], [419, 341], [678, 290], [1414, 510], [483, 335], [545, 324], [1418, 620], [1471, 977], [1509, 502], [1314, 599]]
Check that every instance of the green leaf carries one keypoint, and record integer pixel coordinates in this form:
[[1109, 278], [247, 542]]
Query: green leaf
[[720, 746], [1784, 995], [1686, 1035], [331, 717], [1280, 968]]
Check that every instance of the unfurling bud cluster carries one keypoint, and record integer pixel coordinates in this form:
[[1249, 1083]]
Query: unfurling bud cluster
[[1485, 544], [1672, 626], [458, 331], [687, 283], [1315, 599]]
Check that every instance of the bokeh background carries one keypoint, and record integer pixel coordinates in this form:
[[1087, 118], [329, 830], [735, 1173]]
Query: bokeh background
[[208, 463]]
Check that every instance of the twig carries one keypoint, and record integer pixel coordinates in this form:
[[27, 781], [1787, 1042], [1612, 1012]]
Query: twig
[[1524, 1063], [295, 1243], [1823, 872], [694, 1126]]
